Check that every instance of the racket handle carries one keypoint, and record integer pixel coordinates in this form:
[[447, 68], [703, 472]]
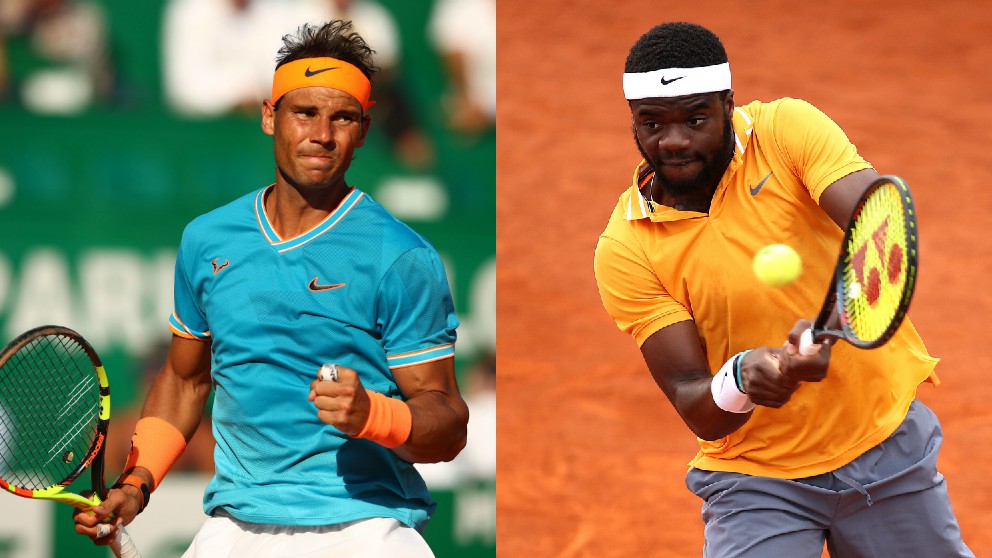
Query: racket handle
[[806, 345], [122, 545], [328, 372]]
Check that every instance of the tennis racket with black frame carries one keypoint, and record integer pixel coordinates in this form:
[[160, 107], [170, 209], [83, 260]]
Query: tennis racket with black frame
[[54, 415], [875, 276]]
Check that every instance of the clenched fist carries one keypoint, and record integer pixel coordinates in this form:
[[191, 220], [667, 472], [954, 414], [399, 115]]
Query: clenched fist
[[344, 403]]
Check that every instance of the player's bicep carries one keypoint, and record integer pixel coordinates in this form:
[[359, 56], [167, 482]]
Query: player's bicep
[[437, 376], [189, 359], [675, 355], [838, 199], [180, 391]]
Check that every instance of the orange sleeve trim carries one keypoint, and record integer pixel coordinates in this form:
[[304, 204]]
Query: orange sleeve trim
[[398, 366], [183, 334]]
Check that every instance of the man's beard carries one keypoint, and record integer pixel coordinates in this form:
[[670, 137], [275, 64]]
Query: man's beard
[[706, 179]]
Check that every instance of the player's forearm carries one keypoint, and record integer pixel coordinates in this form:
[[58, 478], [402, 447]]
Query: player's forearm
[[439, 431], [169, 418], [178, 401], [180, 391], [693, 400]]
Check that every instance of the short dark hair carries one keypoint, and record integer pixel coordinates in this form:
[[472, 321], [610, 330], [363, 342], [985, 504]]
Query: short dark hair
[[675, 45], [334, 39]]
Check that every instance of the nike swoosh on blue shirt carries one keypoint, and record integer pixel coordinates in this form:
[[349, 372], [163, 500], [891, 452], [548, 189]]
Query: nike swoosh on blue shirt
[[756, 189], [317, 287]]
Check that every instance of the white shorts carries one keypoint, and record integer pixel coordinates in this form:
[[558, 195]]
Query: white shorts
[[224, 536]]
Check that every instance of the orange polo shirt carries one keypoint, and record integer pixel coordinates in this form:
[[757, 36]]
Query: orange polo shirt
[[656, 266]]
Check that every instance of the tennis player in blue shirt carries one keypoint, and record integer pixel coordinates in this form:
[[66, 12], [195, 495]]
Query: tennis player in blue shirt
[[306, 272]]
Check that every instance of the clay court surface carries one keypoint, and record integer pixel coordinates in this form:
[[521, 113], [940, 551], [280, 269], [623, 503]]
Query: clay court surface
[[591, 455]]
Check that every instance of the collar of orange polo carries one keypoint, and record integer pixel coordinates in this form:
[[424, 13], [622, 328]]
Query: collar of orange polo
[[322, 72]]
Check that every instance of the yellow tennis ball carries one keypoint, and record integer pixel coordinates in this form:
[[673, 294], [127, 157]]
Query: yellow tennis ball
[[777, 265]]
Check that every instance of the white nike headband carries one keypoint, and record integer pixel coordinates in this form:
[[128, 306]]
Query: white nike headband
[[675, 82]]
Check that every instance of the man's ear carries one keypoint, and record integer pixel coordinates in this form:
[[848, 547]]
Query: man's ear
[[366, 120], [268, 117]]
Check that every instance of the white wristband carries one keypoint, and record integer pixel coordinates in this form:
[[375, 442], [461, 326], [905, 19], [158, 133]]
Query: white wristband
[[725, 392]]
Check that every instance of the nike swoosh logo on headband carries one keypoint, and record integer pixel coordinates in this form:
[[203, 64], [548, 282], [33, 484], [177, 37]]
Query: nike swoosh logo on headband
[[315, 72], [667, 81]]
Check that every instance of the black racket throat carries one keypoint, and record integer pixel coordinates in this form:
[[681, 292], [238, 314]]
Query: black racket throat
[[827, 312]]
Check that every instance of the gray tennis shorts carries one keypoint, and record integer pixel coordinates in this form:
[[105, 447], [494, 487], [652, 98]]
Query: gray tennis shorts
[[890, 501]]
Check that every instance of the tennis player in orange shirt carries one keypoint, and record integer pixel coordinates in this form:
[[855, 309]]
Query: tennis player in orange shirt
[[797, 451]]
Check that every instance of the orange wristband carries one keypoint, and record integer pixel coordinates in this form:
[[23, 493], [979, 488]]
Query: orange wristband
[[156, 445], [390, 421], [137, 482]]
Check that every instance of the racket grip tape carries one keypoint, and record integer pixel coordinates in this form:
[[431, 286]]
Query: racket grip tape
[[122, 545], [806, 345], [328, 372]]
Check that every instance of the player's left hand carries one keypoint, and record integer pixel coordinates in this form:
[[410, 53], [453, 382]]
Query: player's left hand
[[343, 404], [101, 522], [763, 379]]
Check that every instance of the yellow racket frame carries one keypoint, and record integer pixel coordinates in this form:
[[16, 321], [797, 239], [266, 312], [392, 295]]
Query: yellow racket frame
[[58, 492]]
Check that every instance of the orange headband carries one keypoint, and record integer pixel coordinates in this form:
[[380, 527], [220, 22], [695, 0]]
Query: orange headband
[[322, 72]]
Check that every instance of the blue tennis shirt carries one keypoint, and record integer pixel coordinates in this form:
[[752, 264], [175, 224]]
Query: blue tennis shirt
[[361, 290]]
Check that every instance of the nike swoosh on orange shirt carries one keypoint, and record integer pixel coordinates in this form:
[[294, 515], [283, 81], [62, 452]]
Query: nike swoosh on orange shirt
[[756, 189], [317, 287]]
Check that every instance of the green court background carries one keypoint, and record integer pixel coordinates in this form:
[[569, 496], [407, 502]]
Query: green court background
[[92, 207]]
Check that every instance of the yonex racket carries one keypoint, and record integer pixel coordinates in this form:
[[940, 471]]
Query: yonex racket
[[54, 413], [875, 275]]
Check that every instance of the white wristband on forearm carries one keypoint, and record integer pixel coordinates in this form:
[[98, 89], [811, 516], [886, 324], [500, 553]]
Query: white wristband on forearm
[[724, 388]]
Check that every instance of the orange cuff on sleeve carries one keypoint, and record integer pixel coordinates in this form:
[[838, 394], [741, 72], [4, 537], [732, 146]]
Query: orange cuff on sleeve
[[390, 421], [156, 445]]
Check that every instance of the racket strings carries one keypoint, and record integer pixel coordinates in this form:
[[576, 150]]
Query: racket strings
[[49, 412], [877, 271]]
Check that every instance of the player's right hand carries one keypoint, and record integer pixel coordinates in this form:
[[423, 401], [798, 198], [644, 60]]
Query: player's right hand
[[121, 506], [771, 375], [763, 380]]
